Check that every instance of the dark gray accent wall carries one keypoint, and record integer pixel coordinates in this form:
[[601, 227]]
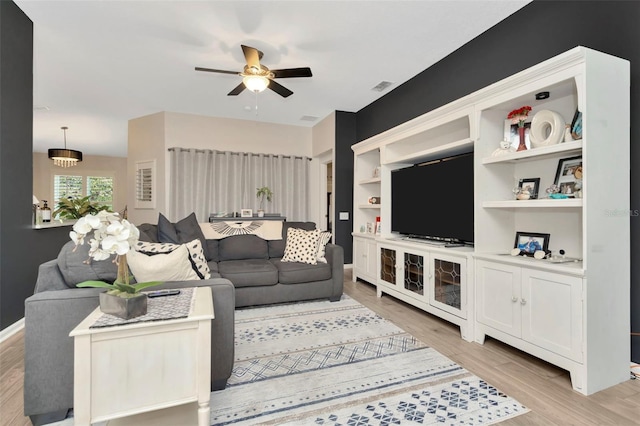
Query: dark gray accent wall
[[343, 181], [22, 248], [537, 32]]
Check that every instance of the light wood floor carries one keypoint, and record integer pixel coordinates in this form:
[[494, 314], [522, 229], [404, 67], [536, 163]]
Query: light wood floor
[[543, 388]]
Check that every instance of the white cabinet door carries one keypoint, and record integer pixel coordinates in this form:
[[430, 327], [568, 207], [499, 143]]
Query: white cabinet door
[[359, 257], [447, 283], [552, 312], [498, 296], [387, 272], [404, 271], [364, 259], [371, 260]]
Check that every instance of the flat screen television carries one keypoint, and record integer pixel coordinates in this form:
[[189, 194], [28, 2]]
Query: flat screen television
[[434, 200]]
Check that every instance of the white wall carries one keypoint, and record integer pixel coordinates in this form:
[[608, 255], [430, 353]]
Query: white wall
[[146, 142], [324, 139], [151, 136]]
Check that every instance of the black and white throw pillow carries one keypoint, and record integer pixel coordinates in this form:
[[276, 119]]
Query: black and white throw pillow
[[194, 247]]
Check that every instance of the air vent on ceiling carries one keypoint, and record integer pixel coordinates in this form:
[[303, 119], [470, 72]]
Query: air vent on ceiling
[[308, 118], [382, 86]]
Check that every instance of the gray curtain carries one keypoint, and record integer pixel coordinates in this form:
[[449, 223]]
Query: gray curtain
[[209, 181]]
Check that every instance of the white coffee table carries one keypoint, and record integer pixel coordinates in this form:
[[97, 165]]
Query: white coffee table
[[124, 370]]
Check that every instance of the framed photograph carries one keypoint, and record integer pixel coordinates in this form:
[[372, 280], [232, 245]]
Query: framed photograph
[[530, 242], [511, 133], [569, 171], [246, 213], [576, 125], [530, 184]]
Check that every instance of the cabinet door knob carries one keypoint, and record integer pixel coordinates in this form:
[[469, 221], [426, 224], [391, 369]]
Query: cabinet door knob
[[514, 299], [523, 302]]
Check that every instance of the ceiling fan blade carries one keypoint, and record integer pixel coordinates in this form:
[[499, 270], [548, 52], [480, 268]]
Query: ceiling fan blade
[[279, 89], [237, 90], [292, 72], [214, 70], [252, 55]]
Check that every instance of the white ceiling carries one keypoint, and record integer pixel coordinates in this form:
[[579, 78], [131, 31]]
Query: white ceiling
[[98, 64]]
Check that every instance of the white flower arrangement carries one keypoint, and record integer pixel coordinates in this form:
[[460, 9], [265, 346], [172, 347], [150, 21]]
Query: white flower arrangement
[[111, 235]]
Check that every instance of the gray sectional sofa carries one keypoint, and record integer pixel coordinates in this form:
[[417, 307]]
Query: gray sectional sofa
[[259, 275], [245, 271]]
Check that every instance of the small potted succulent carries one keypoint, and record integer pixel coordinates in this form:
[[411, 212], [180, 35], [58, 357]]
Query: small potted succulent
[[263, 193], [113, 235]]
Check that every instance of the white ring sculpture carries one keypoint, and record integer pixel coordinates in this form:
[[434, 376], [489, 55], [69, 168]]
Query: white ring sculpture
[[547, 128]]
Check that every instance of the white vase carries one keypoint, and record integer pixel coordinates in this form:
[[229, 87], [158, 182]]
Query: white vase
[[260, 213], [567, 133]]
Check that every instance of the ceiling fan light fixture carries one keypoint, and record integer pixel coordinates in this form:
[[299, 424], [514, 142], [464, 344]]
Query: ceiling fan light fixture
[[256, 83], [64, 157]]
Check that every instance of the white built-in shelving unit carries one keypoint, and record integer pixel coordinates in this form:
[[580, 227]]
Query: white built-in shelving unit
[[574, 315]]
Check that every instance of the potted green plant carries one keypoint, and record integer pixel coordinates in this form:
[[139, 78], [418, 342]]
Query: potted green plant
[[76, 207], [263, 193], [113, 235]]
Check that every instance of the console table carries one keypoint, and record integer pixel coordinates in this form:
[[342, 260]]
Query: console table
[[123, 370], [245, 219]]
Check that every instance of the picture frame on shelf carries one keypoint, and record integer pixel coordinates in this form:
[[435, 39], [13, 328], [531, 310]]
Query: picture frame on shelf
[[376, 172], [511, 133], [530, 242], [569, 175], [530, 184], [246, 213], [576, 125]]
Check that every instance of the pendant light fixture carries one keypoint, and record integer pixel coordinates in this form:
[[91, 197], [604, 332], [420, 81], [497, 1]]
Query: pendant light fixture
[[65, 157]]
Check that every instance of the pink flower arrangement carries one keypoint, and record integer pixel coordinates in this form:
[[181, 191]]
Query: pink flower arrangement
[[518, 116]]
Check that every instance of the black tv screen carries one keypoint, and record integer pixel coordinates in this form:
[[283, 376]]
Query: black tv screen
[[434, 200]]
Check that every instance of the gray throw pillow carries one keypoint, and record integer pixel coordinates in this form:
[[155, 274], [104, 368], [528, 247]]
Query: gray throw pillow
[[182, 232], [166, 230], [76, 266]]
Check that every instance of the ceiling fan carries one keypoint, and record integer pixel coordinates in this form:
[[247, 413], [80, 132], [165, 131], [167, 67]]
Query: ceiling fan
[[257, 77]]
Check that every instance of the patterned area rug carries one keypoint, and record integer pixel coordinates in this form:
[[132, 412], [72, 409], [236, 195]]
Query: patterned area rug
[[340, 363]]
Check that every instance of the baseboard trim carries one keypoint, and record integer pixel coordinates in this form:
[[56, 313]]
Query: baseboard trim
[[11, 330], [348, 266]]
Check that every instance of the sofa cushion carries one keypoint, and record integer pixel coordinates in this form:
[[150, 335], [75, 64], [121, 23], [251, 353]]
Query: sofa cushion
[[302, 246], [213, 267], [76, 266], [240, 247], [324, 238], [296, 272], [249, 272], [148, 232], [212, 248], [182, 232], [172, 266], [196, 254], [276, 247]]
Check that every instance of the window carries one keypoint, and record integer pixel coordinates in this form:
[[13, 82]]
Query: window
[[66, 186], [100, 188], [145, 175]]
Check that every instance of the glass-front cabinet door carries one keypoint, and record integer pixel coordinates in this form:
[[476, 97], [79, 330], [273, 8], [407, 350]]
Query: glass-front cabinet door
[[388, 265], [404, 270], [448, 274], [413, 273]]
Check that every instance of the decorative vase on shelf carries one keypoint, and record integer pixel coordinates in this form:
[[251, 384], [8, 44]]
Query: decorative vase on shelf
[[523, 145], [567, 133]]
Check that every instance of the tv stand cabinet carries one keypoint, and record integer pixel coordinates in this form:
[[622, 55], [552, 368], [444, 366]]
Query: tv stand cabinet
[[575, 315], [434, 279]]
